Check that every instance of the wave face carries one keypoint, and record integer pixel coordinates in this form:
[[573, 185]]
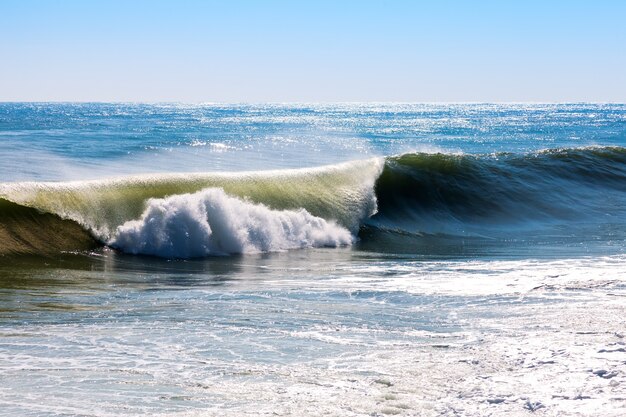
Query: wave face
[[235, 213], [457, 194], [192, 215], [27, 231]]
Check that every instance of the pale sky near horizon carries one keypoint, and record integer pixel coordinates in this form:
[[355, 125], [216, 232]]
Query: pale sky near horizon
[[313, 51]]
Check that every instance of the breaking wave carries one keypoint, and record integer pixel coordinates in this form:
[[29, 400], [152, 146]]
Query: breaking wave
[[190, 215]]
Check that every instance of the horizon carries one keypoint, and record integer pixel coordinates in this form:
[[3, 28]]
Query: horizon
[[313, 52], [253, 103]]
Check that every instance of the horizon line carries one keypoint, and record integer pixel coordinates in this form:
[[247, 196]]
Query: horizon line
[[272, 102]]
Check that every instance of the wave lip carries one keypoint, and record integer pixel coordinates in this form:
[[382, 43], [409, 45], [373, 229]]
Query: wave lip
[[210, 222]]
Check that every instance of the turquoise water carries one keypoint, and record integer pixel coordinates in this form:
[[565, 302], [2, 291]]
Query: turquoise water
[[350, 259]]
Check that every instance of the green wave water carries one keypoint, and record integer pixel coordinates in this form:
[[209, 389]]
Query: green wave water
[[416, 193]]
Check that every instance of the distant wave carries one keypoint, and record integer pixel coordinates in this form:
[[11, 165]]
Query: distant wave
[[189, 215]]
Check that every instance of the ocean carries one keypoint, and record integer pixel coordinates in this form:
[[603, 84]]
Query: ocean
[[312, 259]]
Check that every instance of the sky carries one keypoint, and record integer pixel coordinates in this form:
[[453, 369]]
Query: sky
[[313, 51]]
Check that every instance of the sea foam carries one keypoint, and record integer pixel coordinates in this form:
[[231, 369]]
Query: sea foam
[[211, 222]]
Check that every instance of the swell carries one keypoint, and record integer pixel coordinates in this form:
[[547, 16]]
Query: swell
[[457, 194]]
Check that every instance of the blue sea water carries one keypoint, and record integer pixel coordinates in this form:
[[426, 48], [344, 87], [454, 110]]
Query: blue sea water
[[61, 138], [308, 259]]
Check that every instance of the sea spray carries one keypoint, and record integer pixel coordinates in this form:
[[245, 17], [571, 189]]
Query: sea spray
[[210, 222]]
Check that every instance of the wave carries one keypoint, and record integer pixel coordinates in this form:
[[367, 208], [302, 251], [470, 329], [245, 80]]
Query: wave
[[461, 194], [268, 210], [422, 194]]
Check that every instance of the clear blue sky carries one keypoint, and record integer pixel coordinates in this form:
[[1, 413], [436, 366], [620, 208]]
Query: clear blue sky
[[255, 51]]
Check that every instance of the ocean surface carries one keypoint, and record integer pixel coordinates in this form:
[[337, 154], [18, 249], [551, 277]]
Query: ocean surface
[[312, 259]]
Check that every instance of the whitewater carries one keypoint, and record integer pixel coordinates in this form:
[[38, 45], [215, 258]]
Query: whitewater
[[307, 259]]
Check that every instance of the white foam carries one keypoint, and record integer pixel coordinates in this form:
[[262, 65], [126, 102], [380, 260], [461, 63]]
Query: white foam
[[210, 222]]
